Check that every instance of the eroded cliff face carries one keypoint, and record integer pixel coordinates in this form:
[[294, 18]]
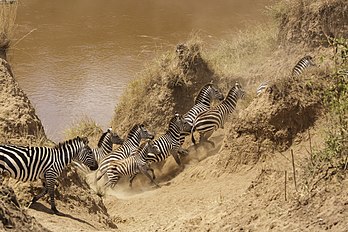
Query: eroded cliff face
[[310, 22], [18, 120], [19, 124]]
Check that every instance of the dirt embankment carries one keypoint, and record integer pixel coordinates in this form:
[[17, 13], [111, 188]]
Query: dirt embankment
[[310, 22], [20, 125], [162, 91], [17, 117], [247, 182]]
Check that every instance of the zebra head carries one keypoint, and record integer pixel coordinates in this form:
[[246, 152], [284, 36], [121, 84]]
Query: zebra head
[[179, 123], [207, 93], [309, 59], [215, 92], [144, 133], [85, 155], [239, 91], [151, 148], [115, 138]]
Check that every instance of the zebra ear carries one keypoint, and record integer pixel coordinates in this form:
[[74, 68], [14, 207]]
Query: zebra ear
[[109, 129], [85, 140]]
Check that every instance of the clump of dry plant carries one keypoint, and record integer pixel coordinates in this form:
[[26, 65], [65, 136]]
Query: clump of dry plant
[[8, 12]]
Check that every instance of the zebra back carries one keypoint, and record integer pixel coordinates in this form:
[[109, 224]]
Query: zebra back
[[262, 87], [27, 163], [302, 65]]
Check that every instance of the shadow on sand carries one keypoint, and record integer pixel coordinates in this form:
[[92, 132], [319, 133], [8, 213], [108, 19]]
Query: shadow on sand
[[42, 208]]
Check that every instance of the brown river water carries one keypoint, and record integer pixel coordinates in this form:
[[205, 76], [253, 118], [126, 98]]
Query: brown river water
[[74, 58]]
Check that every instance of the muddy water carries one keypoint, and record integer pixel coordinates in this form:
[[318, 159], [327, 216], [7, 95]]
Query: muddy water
[[76, 57]]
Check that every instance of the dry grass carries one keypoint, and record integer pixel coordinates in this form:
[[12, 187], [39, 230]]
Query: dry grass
[[234, 56], [8, 13], [86, 127]]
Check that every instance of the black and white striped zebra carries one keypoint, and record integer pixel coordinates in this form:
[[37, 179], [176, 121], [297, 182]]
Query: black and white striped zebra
[[302, 65], [261, 88], [203, 101], [136, 134], [131, 166], [32, 163], [168, 143], [298, 69], [209, 121], [104, 147]]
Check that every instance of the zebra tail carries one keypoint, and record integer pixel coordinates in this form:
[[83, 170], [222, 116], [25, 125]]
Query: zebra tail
[[192, 136]]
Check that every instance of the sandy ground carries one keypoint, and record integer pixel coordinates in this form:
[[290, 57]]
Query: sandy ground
[[200, 198]]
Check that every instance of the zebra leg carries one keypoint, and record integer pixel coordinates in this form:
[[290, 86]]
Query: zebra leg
[[112, 178], [144, 170], [152, 171], [51, 181], [131, 180], [176, 157], [41, 194], [205, 137]]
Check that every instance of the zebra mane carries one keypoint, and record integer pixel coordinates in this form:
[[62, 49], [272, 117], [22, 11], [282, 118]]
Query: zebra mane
[[69, 142], [204, 88], [232, 90], [102, 137], [173, 120]]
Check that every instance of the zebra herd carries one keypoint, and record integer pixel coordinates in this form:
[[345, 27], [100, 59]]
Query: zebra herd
[[131, 157]]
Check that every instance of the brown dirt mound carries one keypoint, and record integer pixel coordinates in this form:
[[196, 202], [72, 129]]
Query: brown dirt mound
[[17, 116], [309, 22], [273, 120], [167, 89], [12, 217]]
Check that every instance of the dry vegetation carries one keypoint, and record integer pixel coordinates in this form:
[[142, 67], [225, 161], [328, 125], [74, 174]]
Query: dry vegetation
[[8, 12]]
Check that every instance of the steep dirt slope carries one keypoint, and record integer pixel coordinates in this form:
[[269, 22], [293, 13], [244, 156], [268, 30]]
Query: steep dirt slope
[[20, 125], [17, 118]]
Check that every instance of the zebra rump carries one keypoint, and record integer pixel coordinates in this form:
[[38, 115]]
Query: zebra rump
[[302, 65]]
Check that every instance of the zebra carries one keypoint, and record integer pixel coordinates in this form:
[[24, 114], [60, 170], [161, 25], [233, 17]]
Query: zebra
[[136, 134], [302, 65], [26, 163], [202, 103], [262, 87], [168, 143], [209, 121], [298, 69], [104, 147], [132, 165]]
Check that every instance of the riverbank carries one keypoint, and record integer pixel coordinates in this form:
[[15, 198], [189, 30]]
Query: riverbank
[[249, 180]]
